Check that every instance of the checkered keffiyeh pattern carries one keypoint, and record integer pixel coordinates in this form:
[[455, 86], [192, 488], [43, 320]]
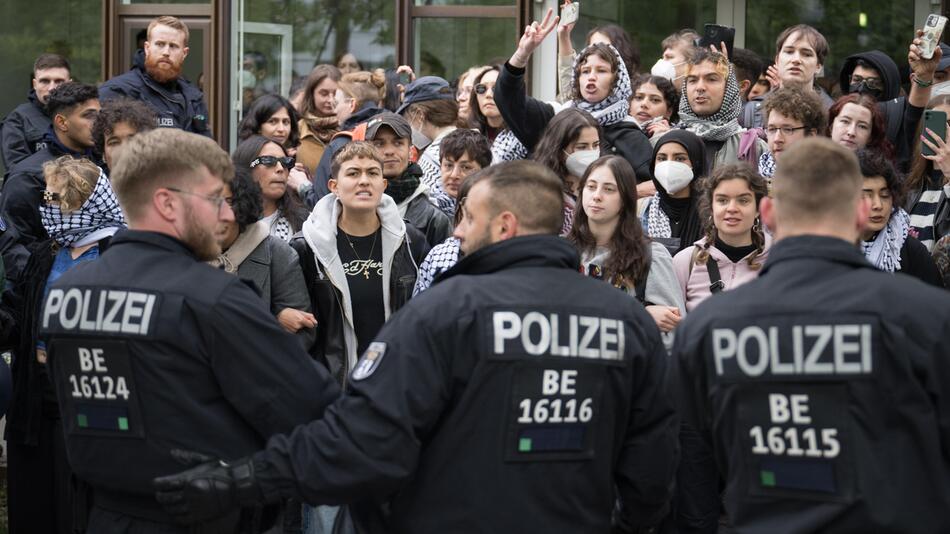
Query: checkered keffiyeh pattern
[[442, 257], [100, 211]]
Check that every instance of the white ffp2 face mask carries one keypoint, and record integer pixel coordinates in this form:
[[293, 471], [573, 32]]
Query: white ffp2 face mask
[[673, 175], [665, 69], [579, 160]]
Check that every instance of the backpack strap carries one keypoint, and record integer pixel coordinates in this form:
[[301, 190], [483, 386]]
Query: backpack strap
[[715, 279]]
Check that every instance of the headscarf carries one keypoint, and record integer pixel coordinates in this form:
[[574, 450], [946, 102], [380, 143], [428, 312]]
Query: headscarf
[[722, 124], [99, 216], [615, 107], [884, 252], [662, 204]]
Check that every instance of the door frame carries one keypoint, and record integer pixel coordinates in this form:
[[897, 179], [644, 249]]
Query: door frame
[[216, 41]]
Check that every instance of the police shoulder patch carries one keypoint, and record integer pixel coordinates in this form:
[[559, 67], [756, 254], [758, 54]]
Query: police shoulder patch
[[369, 361]]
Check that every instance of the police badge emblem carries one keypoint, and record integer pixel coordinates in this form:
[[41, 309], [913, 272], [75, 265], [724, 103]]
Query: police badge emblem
[[369, 361]]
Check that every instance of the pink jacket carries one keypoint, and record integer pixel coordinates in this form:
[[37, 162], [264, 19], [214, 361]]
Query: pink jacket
[[695, 283]]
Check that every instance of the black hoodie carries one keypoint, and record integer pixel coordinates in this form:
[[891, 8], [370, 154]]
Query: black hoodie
[[883, 64], [24, 131]]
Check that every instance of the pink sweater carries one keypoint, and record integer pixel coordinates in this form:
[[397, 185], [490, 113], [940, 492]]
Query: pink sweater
[[695, 283]]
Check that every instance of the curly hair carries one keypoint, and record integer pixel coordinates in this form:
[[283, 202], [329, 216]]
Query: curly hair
[[878, 139], [794, 103], [603, 52], [759, 188], [246, 200], [630, 254], [131, 112], [261, 110], [65, 97], [289, 205], [670, 95], [464, 141], [874, 165]]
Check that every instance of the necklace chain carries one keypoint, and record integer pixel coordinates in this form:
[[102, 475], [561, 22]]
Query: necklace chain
[[369, 258]]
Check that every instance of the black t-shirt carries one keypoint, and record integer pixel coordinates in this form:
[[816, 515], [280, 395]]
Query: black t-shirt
[[362, 259], [734, 253]]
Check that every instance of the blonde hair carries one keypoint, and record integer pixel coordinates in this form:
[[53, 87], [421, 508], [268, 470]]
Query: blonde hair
[[364, 86], [174, 23], [164, 157], [73, 178], [818, 180], [356, 149]]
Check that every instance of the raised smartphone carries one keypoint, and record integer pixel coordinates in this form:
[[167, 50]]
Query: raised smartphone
[[936, 121], [933, 29]]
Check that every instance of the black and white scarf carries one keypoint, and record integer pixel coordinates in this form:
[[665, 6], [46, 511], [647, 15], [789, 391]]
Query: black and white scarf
[[658, 222], [615, 107], [884, 252], [100, 216], [507, 147], [722, 124]]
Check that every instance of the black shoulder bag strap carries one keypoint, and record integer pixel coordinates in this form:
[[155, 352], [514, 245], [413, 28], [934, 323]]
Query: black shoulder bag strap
[[715, 279]]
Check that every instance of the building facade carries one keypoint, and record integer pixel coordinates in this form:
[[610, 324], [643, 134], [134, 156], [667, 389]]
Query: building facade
[[243, 48]]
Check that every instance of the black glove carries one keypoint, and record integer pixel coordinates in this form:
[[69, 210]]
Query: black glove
[[207, 491]]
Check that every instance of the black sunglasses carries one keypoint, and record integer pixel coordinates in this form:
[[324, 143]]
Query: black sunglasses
[[482, 88], [270, 161]]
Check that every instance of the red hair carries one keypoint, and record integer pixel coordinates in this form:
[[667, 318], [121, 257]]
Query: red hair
[[878, 140]]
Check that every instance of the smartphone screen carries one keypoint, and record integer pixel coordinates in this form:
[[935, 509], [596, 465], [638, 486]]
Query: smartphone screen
[[936, 121], [569, 13]]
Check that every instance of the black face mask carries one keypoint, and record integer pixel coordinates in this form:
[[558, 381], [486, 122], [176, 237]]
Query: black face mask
[[863, 89]]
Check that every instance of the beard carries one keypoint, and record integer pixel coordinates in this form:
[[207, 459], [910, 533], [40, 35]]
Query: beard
[[202, 241], [162, 72], [472, 243]]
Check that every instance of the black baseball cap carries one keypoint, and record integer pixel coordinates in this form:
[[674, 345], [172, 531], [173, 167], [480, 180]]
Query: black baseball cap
[[425, 89], [387, 118]]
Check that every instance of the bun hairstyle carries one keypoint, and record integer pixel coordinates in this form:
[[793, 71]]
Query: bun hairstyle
[[74, 179], [364, 86]]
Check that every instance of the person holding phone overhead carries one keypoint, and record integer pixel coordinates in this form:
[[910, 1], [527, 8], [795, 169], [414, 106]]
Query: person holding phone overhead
[[928, 195]]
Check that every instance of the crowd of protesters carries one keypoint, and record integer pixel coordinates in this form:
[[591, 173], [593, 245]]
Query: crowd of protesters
[[345, 200]]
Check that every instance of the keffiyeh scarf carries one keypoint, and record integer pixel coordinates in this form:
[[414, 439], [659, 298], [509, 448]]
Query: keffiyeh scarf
[[885, 251], [658, 223], [722, 124], [99, 216], [507, 147], [615, 107]]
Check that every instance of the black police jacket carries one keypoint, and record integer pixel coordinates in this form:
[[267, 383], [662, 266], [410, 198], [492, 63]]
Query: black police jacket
[[515, 395], [152, 350], [820, 391], [24, 130], [178, 104], [23, 191]]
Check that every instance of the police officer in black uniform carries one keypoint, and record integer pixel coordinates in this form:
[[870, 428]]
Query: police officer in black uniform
[[153, 351], [25, 128], [515, 395], [818, 393], [156, 79]]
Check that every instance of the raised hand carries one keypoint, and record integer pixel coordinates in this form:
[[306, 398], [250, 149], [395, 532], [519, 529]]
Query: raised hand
[[923, 68], [533, 35], [941, 156]]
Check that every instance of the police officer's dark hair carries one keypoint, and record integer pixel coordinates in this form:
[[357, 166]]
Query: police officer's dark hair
[[246, 200], [629, 260], [817, 180], [164, 157], [465, 141], [50, 61], [875, 165], [261, 110], [760, 189], [563, 130], [671, 94], [289, 204], [527, 189], [798, 104], [64, 98], [132, 112]]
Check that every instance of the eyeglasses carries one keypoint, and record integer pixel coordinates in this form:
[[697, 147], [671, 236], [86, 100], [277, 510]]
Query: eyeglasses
[[50, 196], [271, 161], [872, 83], [216, 201], [786, 130], [483, 88]]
